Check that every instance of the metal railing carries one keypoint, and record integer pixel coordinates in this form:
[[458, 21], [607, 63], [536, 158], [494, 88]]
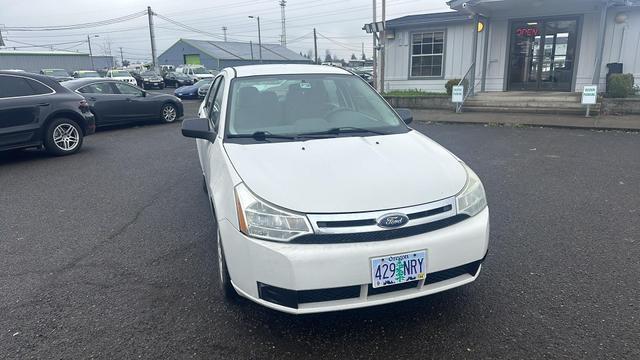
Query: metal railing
[[469, 86]]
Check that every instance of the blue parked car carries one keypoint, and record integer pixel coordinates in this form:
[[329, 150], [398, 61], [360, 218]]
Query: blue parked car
[[191, 91]]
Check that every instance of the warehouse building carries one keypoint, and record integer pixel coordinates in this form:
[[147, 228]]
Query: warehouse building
[[216, 55], [34, 61]]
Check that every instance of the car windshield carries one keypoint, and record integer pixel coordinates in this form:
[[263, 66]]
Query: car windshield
[[308, 105], [120, 73], [199, 70], [55, 72], [84, 74], [204, 82], [148, 73]]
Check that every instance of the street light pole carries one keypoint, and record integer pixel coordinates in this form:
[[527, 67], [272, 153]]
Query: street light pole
[[259, 36], [93, 66]]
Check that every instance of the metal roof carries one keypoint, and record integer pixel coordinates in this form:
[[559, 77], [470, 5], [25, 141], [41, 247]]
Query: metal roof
[[230, 50], [40, 53], [423, 19]]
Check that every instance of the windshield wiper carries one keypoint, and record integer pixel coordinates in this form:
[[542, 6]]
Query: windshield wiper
[[345, 130], [261, 136]]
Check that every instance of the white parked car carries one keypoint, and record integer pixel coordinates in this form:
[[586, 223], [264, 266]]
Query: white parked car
[[122, 75], [324, 198], [195, 72]]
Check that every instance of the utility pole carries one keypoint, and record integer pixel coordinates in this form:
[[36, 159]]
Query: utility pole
[[153, 38], [375, 50], [251, 48], [121, 57], [259, 36], [224, 31], [93, 66], [283, 35], [383, 43], [363, 55], [315, 46]]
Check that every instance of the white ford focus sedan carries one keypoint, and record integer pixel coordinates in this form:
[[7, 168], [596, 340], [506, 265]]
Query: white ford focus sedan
[[325, 199]]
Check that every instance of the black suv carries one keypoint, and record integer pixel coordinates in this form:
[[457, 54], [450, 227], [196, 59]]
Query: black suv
[[148, 79], [36, 111]]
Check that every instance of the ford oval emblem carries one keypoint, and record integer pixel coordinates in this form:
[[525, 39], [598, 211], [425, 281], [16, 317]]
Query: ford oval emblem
[[392, 220]]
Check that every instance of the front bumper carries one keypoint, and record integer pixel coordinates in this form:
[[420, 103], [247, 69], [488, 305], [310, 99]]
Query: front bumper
[[331, 277], [157, 84]]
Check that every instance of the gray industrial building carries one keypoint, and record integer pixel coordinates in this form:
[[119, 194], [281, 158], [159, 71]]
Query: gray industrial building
[[216, 55], [33, 61]]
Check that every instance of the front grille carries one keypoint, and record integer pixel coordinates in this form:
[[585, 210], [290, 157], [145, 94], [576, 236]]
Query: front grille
[[292, 298], [366, 222], [379, 235]]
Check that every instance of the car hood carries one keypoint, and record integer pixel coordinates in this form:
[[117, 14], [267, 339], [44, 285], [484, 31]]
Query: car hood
[[349, 174]]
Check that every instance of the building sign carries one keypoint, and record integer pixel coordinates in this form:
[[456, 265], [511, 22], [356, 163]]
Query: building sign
[[590, 95], [528, 32], [457, 94]]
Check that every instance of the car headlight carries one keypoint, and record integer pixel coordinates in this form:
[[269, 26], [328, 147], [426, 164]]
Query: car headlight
[[258, 219], [471, 200]]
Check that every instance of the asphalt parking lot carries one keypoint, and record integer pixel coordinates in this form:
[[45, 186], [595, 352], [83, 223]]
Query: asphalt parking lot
[[109, 254]]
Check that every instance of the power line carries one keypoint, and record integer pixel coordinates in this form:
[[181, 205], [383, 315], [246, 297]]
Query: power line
[[78, 26]]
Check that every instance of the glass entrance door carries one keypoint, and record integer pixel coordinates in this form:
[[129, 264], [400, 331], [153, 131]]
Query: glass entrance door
[[542, 55]]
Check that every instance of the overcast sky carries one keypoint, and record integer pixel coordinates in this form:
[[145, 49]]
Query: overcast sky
[[339, 20]]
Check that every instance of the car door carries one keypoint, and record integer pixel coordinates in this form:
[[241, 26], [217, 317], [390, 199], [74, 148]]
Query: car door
[[103, 100], [201, 144], [136, 106], [22, 101], [213, 153]]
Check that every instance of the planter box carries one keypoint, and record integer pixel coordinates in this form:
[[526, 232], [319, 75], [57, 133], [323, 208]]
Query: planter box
[[624, 106], [421, 102]]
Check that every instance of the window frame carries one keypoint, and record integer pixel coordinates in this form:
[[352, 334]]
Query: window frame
[[213, 95], [444, 53], [115, 85], [26, 78], [111, 85]]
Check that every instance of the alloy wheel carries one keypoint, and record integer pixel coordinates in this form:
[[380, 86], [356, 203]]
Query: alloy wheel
[[66, 137], [169, 113]]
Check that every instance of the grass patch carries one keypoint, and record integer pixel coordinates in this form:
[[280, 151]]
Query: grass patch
[[413, 93]]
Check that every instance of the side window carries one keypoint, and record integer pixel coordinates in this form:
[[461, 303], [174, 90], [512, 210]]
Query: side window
[[127, 89], [98, 88], [216, 106], [211, 94], [13, 86], [39, 88]]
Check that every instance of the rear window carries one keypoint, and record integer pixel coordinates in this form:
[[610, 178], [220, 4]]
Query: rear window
[[15, 86]]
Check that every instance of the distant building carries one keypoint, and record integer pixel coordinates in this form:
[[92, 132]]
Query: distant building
[[216, 55], [34, 61], [536, 45]]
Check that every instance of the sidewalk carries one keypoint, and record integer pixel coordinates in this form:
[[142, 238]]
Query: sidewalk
[[627, 122]]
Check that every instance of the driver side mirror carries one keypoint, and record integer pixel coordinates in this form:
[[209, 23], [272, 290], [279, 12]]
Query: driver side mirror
[[405, 115], [198, 128]]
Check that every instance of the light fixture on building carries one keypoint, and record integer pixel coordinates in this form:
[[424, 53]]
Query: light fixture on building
[[480, 26], [621, 18]]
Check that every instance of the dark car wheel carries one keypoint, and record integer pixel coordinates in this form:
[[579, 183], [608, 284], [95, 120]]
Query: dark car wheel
[[63, 137], [161, 86], [226, 287], [169, 113]]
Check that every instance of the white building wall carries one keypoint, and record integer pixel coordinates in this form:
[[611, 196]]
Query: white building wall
[[622, 43], [457, 58]]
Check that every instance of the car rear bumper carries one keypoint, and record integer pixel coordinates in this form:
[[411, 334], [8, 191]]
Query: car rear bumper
[[310, 278], [90, 121]]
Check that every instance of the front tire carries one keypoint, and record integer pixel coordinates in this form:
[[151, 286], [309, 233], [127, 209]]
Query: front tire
[[168, 113], [63, 137]]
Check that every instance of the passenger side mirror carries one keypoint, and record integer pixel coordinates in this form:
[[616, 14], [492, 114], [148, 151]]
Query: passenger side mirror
[[198, 128], [405, 115]]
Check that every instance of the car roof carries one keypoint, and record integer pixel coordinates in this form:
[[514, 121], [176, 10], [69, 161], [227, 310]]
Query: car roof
[[83, 71], [78, 83], [287, 69]]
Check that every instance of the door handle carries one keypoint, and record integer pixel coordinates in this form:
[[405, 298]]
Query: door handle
[[43, 104]]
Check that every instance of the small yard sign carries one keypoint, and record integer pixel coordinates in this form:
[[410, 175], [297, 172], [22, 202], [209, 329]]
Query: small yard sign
[[590, 95], [457, 94]]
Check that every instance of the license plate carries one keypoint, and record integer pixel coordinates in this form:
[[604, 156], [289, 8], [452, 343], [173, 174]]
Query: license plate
[[397, 269]]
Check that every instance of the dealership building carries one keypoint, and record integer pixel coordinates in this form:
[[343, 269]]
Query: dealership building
[[34, 61], [514, 45], [217, 55]]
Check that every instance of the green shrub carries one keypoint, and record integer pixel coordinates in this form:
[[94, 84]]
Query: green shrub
[[620, 86], [454, 82]]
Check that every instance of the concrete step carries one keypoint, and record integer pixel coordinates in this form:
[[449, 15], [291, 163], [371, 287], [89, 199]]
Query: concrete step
[[530, 110], [523, 104], [528, 98]]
